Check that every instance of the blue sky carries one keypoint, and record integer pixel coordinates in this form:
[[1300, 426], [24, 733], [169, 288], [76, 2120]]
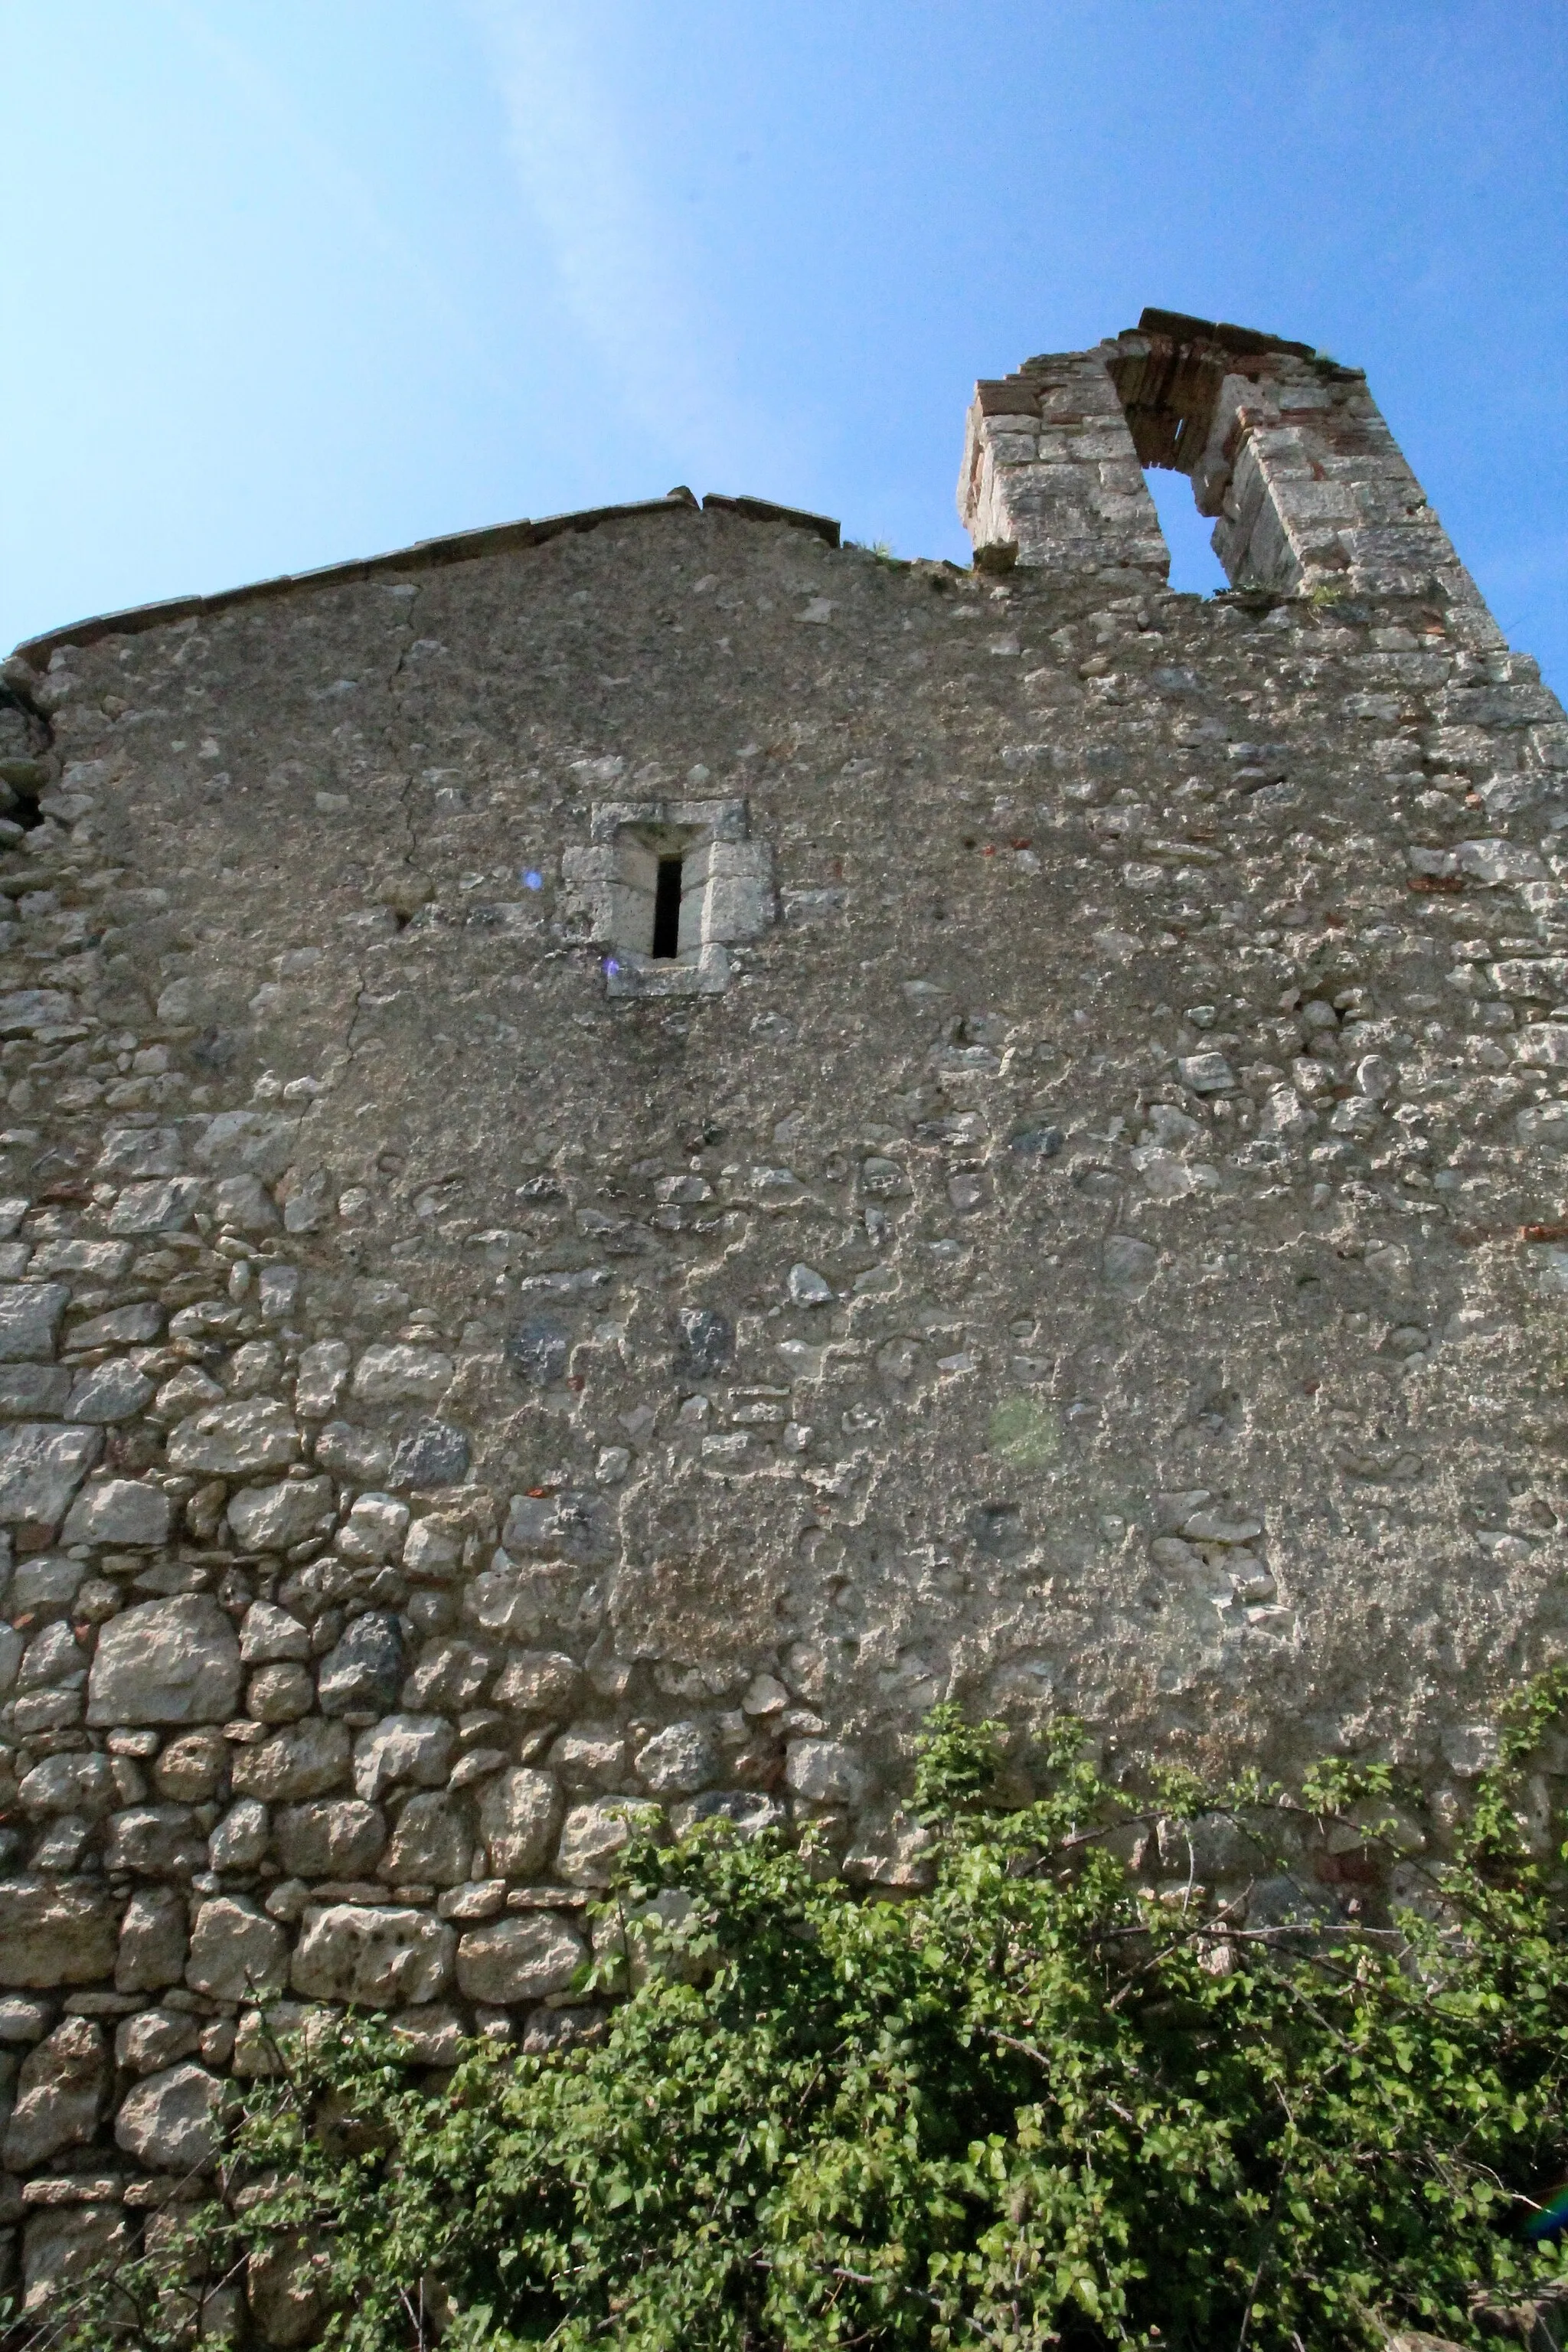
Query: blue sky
[[292, 281]]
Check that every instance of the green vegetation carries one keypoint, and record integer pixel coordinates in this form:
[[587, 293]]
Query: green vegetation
[[1032, 2104]]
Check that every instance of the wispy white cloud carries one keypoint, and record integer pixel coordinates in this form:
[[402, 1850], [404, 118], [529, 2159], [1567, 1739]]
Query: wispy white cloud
[[626, 268], [349, 198]]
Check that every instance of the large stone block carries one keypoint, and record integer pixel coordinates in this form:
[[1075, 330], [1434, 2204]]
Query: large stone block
[[152, 1941], [431, 1844], [155, 1841], [173, 1661], [235, 1439], [55, 1931], [40, 1470], [594, 1836], [236, 1951], [304, 1760], [246, 1143], [385, 1958], [30, 1315], [404, 1748], [113, 1391], [268, 1634], [60, 2094], [339, 1837], [172, 2121], [272, 1518], [364, 1670], [164, 1206], [519, 1814], [393, 1375], [509, 1961], [65, 2245], [119, 1511]]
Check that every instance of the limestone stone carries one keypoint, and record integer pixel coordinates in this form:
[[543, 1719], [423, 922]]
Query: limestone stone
[[60, 2094], [449, 1677], [305, 1759], [240, 1839], [432, 1551], [284, 2292], [154, 1841], [262, 2035], [433, 1454], [190, 1768], [280, 1693], [431, 1844], [30, 1315], [63, 2245], [153, 1942], [113, 1391], [172, 2121], [374, 1528], [34, 1392], [53, 1655], [390, 1375], [432, 2036], [678, 1761], [68, 1784], [419, 1749], [823, 1772], [538, 1682], [592, 1756], [235, 1441], [272, 1518], [244, 1204], [323, 1372], [236, 1950], [122, 1327], [162, 1206], [41, 1468], [364, 1670], [56, 1932], [351, 1452], [268, 1632], [118, 1511], [519, 1814], [186, 1393], [507, 1961], [341, 1837], [593, 1837], [173, 1661], [246, 1143], [154, 2039], [141, 1151], [386, 1957], [748, 1811]]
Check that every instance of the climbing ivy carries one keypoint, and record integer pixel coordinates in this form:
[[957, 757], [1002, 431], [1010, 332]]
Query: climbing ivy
[[1039, 2101]]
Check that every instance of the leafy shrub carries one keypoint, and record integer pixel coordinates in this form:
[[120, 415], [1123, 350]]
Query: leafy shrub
[[1037, 2103]]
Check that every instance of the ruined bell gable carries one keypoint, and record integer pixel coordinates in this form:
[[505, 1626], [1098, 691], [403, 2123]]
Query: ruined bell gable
[[635, 1147]]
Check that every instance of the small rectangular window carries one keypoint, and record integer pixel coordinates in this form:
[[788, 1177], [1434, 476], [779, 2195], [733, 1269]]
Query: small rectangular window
[[667, 907]]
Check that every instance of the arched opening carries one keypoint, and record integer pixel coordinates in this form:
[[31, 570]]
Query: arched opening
[[1171, 385], [1195, 568]]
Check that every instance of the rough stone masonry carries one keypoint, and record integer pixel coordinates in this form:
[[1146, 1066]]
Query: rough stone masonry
[[636, 1146]]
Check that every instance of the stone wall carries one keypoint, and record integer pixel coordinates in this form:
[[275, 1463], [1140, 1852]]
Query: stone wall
[[1097, 1242]]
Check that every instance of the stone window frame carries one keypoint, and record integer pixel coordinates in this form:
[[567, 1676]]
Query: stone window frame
[[726, 892]]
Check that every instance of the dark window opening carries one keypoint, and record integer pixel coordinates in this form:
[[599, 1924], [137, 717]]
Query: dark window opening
[[667, 907]]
